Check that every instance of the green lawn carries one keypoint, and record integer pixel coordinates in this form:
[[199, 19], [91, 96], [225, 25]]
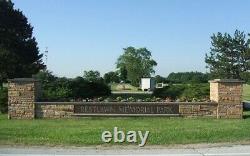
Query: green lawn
[[246, 92], [87, 131], [123, 87]]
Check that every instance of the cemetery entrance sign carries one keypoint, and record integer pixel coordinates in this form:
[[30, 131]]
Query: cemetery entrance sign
[[127, 108], [23, 103]]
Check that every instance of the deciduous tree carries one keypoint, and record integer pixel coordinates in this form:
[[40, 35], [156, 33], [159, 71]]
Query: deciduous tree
[[111, 77], [92, 76], [137, 62]]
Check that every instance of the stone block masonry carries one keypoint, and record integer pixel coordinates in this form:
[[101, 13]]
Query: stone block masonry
[[24, 93], [228, 94], [170, 109], [198, 109], [54, 110]]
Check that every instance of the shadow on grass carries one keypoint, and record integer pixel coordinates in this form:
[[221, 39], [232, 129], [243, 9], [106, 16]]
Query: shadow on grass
[[246, 114]]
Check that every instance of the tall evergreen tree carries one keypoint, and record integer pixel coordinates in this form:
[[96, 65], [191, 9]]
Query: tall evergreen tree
[[19, 54], [229, 56]]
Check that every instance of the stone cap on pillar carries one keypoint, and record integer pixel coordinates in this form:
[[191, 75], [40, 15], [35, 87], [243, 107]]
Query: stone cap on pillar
[[226, 81], [23, 80]]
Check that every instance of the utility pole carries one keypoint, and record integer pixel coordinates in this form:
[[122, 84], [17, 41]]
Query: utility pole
[[46, 52]]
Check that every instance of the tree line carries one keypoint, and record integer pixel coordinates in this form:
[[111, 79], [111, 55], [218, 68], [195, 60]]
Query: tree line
[[184, 77], [229, 55]]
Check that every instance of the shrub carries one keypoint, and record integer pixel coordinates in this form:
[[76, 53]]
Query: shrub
[[57, 89], [119, 99], [131, 99], [196, 91], [148, 100], [3, 100], [172, 91], [85, 89], [186, 92]]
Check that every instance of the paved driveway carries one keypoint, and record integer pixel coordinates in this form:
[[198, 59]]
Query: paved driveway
[[228, 150]]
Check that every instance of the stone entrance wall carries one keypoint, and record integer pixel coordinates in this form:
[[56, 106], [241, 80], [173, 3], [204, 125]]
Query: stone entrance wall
[[225, 96], [228, 95], [22, 94], [74, 109], [198, 109], [54, 109]]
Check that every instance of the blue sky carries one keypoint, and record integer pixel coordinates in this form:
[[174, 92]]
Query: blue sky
[[90, 34]]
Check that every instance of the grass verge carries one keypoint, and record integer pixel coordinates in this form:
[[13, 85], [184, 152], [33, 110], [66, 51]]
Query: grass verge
[[87, 131], [246, 92]]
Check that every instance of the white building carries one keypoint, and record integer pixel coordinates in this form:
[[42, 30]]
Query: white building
[[147, 84]]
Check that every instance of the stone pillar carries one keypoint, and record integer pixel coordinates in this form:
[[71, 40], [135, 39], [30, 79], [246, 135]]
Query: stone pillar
[[227, 93], [22, 94]]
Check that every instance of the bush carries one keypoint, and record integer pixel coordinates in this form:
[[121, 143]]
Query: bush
[[148, 100], [196, 91], [3, 100], [185, 92], [58, 89], [131, 99], [119, 99], [85, 89], [172, 91]]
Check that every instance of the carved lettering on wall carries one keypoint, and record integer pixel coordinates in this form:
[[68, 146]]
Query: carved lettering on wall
[[127, 109]]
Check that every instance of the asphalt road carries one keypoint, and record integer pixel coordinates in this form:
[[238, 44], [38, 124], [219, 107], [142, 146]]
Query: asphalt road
[[228, 150]]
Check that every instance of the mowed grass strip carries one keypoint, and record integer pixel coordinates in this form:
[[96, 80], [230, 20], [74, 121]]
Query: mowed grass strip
[[87, 131], [246, 92], [123, 87]]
